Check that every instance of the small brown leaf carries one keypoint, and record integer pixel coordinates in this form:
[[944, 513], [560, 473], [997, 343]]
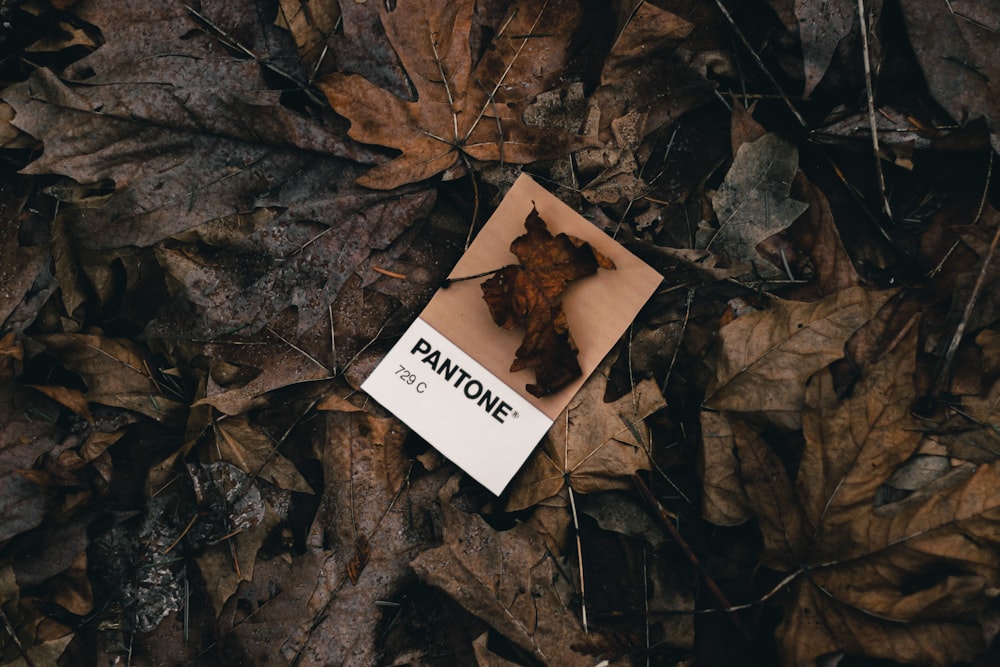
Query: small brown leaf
[[116, 373], [529, 295], [511, 580]]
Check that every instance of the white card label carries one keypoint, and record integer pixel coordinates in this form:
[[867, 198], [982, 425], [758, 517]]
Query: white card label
[[452, 401]]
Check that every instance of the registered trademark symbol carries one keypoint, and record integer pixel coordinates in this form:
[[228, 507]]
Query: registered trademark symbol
[[515, 414]]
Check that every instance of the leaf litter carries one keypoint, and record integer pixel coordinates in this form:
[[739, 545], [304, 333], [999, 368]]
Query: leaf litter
[[226, 214]]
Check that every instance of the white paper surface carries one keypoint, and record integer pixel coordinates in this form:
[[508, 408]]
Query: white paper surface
[[453, 402]]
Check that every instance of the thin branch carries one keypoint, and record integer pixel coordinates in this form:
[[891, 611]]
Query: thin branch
[[862, 19], [956, 338], [579, 557], [760, 64], [664, 517]]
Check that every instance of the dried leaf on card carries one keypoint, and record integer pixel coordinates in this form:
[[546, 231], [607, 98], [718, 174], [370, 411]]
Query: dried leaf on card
[[529, 295], [592, 446], [463, 108], [903, 581], [753, 202]]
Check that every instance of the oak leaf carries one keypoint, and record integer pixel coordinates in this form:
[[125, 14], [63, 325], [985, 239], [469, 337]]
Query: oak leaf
[[753, 202], [529, 295], [903, 581], [463, 109]]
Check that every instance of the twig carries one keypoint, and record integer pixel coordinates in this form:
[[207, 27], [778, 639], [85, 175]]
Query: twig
[[17, 641], [300, 350], [761, 65], [956, 338], [579, 557], [391, 274], [448, 281], [871, 107], [664, 517]]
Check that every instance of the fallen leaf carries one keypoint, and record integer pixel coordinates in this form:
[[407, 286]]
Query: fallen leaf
[[27, 431], [529, 294], [645, 72], [116, 372], [371, 521], [253, 452], [510, 580], [822, 26], [592, 446], [463, 109], [764, 358], [904, 581], [310, 22], [954, 43], [24, 268], [821, 254], [753, 202], [192, 135], [761, 366]]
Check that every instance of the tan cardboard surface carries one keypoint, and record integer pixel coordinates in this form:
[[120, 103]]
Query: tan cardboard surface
[[599, 308]]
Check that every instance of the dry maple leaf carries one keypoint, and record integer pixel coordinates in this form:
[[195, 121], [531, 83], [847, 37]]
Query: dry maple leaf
[[593, 446], [462, 109], [529, 295], [761, 365], [511, 580], [904, 581]]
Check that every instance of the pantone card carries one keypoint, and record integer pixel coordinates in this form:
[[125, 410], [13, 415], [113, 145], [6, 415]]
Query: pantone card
[[449, 379]]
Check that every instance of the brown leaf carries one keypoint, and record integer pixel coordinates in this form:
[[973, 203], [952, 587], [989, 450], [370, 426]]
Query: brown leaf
[[862, 584], [463, 109], [254, 453], [27, 431], [116, 373], [24, 268], [761, 367], [816, 236], [510, 580], [529, 295], [183, 135], [822, 25], [753, 202], [645, 72], [593, 446], [370, 506], [310, 22], [765, 357], [954, 45]]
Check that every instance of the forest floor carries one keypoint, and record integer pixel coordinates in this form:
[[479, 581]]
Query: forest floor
[[216, 219]]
